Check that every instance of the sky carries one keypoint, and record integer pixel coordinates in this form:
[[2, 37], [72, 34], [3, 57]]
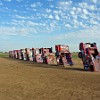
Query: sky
[[45, 23]]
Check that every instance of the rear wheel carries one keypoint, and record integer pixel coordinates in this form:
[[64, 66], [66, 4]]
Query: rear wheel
[[80, 54], [91, 68]]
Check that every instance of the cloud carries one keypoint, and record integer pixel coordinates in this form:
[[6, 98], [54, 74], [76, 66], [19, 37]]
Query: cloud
[[68, 25], [48, 10], [85, 11], [78, 10], [72, 12], [25, 27], [66, 3], [53, 24], [94, 22], [38, 4], [51, 6], [16, 31], [7, 30], [92, 7], [33, 5], [20, 17], [57, 17], [15, 10], [78, 15], [57, 11], [94, 1], [85, 5], [50, 16], [86, 34], [30, 23]]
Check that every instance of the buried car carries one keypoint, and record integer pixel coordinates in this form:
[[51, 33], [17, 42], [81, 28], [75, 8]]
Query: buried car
[[90, 56], [63, 55]]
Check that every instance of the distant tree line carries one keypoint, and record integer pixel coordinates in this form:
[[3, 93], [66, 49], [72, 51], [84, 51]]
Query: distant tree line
[[3, 52]]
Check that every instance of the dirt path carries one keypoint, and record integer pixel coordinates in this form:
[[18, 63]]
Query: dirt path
[[22, 80]]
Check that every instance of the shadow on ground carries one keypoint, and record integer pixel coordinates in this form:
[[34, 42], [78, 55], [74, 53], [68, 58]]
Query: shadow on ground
[[35, 64]]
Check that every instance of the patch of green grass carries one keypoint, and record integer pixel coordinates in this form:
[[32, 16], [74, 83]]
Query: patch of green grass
[[75, 55], [3, 55]]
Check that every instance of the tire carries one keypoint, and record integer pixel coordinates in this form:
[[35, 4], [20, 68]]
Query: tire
[[80, 54], [91, 68]]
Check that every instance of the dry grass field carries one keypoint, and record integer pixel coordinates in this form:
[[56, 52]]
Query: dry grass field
[[23, 80]]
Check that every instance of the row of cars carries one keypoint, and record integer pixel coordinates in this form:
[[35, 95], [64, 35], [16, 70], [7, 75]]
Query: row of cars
[[62, 56], [88, 54]]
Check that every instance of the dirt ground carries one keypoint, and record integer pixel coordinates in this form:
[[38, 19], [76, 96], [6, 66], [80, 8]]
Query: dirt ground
[[23, 80]]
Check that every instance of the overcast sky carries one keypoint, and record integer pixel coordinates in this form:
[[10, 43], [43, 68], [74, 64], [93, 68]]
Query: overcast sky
[[44, 23]]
